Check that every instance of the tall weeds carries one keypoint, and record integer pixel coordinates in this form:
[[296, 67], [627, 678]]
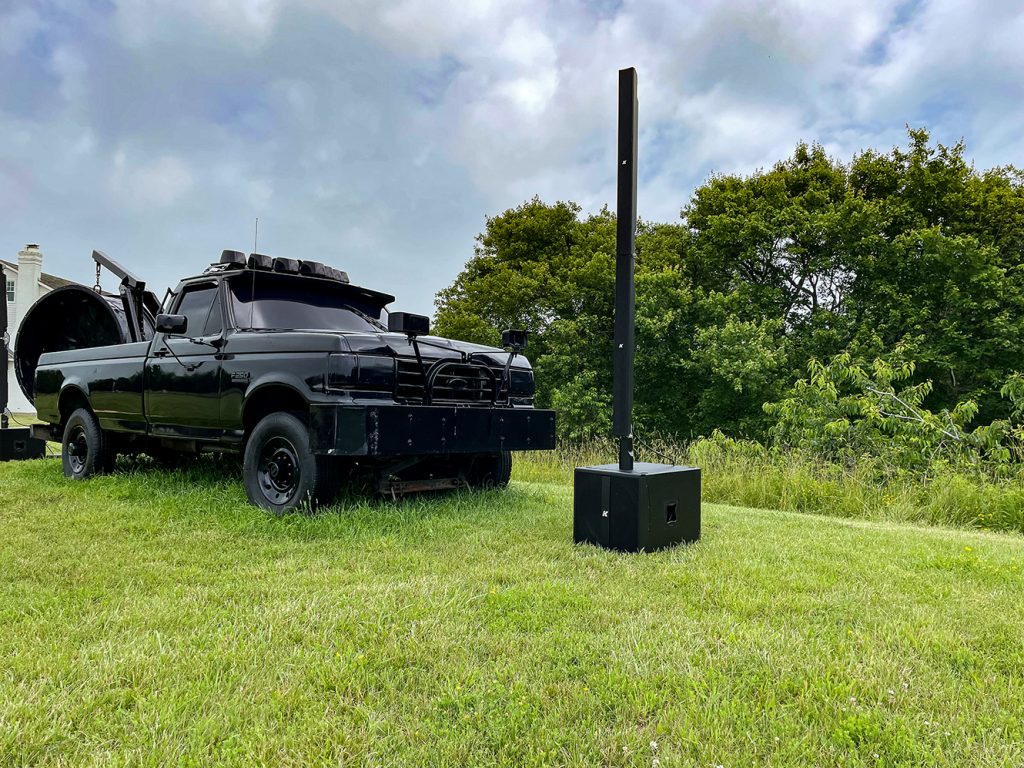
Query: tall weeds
[[745, 473]]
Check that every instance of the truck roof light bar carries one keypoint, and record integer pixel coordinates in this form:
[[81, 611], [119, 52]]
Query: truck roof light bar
[[260, 261], [232, 259], [288, 266], [312, 269], [337, 274]]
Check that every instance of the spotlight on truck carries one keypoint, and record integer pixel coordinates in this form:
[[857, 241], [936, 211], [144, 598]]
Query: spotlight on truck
[[409, 324]]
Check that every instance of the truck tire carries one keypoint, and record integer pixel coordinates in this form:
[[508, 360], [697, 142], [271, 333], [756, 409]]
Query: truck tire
[[279, 470], [85, 449], [490, 470]]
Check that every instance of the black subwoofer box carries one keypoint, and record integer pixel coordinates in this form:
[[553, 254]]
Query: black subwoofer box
[[653, 506], [19, 444]]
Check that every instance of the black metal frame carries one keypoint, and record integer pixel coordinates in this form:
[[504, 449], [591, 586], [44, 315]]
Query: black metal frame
[[430, 373], [134, 296], [438, 368]]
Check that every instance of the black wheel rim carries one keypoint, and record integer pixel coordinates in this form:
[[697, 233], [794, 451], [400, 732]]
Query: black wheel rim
[[278, 471], [78, 449]]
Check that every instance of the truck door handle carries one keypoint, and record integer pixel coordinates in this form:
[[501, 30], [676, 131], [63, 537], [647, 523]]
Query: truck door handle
[[160, 353]]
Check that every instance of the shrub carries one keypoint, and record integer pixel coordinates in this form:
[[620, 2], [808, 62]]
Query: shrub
[[856, 414]]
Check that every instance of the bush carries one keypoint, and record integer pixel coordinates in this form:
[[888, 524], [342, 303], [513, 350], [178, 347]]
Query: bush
[[856, 414]]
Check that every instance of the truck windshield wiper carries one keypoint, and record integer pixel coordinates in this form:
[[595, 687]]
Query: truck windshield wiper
[[376, 323]]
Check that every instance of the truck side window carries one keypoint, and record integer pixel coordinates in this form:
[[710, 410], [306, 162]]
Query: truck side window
[[215, 322], [195, 305]]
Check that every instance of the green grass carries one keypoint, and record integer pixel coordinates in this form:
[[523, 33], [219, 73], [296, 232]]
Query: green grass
[[154, 618]]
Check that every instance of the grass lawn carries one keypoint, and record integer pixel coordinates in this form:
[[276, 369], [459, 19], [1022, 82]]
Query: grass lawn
[[155, 618]]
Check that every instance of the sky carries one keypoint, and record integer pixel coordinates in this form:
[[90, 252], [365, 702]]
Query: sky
[[378, 136]]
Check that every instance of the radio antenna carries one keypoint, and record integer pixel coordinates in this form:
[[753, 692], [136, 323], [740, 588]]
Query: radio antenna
[[252, 292]]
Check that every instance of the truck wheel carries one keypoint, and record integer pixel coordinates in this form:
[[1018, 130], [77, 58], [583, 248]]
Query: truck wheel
[[280, 472], [490, 470], [84, 447]]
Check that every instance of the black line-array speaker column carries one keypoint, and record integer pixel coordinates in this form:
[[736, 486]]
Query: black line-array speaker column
[[625, 246]]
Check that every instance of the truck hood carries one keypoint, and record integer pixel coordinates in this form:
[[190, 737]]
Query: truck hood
[[372, 343], [431, 348]]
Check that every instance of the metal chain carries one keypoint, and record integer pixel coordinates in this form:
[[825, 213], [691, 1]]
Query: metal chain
[[97, 287]]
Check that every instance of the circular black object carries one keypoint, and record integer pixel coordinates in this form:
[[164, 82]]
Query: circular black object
[[280, 472], [70, 317], [490, 470], [84, 449]]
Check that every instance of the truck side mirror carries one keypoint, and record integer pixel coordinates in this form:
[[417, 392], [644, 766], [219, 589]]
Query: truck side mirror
[[513, 339], [172, 325], [408, 323]]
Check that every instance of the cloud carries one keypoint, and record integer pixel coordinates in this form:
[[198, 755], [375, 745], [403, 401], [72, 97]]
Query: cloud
[[157, 183], [378, 136], [17, 26]]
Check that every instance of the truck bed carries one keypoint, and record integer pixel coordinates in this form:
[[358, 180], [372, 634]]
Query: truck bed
[[110, 377]]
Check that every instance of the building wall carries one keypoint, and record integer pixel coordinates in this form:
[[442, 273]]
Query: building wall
[[16, 401], [27, 290]]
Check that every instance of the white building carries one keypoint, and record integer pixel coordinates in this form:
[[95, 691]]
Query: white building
[[25, 283]]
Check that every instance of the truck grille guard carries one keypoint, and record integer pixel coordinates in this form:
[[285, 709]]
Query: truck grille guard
[[448, 381]]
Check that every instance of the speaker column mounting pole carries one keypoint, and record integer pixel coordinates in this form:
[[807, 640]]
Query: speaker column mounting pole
[[625, 247]]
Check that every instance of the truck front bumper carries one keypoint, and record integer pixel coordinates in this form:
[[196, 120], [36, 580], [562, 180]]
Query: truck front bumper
[[407, 430]]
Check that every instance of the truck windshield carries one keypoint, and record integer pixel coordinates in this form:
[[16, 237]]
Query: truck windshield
[[297, 304]]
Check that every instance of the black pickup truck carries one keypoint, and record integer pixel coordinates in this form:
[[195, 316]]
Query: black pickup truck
[[290, 365]]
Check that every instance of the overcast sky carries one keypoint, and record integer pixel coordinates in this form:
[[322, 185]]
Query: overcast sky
[[376, 136]]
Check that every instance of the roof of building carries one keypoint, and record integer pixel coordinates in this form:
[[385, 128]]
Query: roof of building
[[50, 281]]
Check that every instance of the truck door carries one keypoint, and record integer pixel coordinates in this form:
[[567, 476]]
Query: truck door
[[182, 378]]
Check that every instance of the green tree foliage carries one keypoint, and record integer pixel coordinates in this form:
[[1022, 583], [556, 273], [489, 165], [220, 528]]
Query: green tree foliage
[[848, 411], [546, 269], [947, 277], [806, 260]]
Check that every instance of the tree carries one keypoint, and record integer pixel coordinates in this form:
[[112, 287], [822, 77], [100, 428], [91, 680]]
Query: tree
[[540, 268], [544, 268], [946, 277], [766, 272]]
